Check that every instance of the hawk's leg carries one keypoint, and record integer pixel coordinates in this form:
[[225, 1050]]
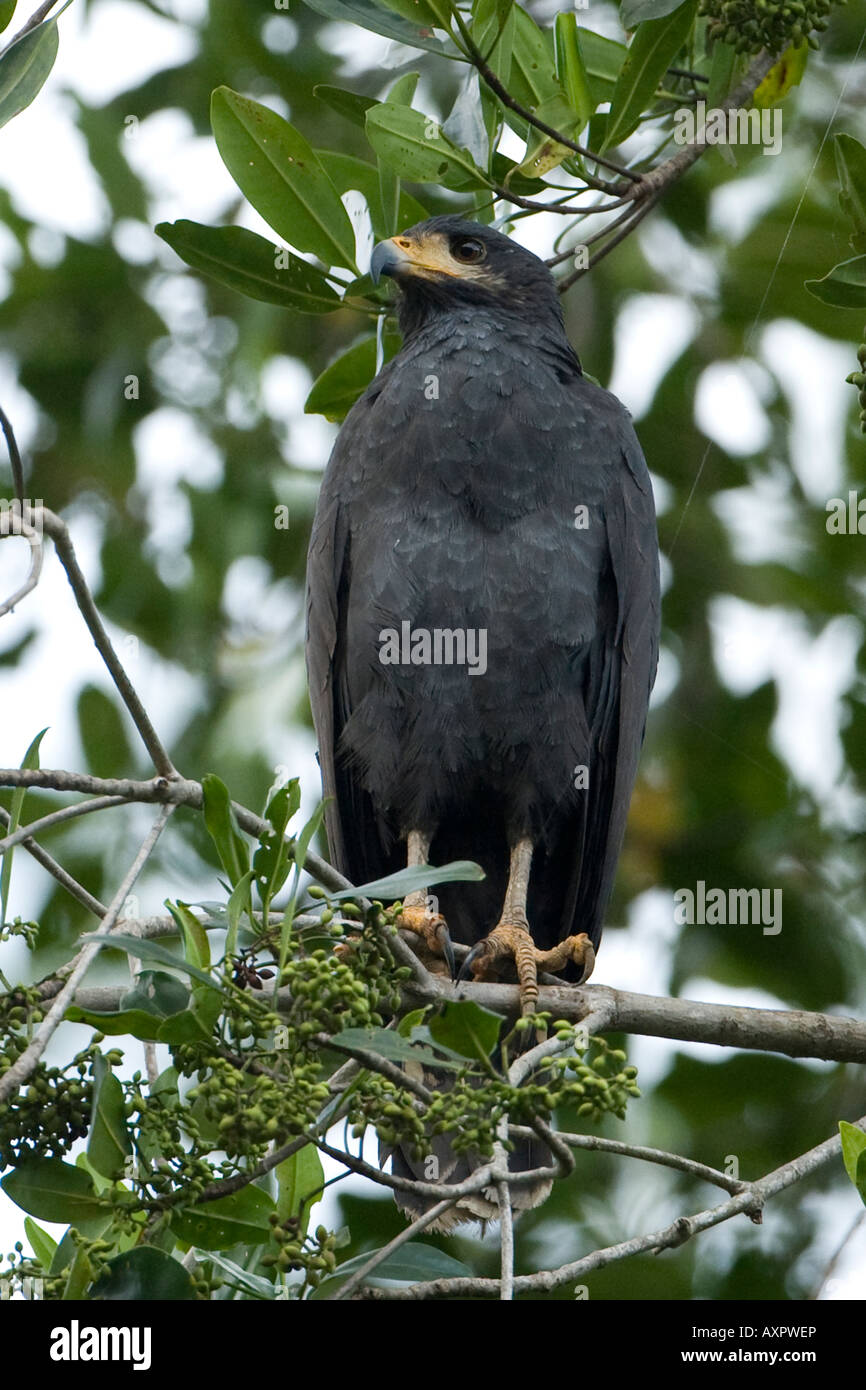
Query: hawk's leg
[[417, 917], [510, 941]]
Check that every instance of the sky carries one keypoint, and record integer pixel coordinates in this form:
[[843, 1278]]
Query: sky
[[45, 167]]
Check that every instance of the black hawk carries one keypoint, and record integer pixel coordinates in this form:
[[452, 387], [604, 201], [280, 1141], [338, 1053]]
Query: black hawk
[[483, 611]]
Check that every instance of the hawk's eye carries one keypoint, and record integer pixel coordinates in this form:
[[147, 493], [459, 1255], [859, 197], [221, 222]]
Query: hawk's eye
[[468, 250]]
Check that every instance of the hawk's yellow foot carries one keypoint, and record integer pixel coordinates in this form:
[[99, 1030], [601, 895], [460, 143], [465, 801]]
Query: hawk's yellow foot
[[434, 940], [510, 943]]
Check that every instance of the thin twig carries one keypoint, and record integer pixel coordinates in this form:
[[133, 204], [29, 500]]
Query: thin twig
[[72, 886], [594, 1143], [479, 62], [66, 813], [32, 23], [751, 1200], [14, 455], [57, 529], [376, 1258], [25, 531]]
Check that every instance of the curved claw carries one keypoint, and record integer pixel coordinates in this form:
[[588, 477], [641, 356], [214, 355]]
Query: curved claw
[[432, 929], [442, 937], [465, 972]]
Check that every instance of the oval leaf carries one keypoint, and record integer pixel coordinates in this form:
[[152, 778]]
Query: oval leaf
[[415, 147], [240, 1219], [24, 68], [466, 1028], [844, 286], [404, 881], [53, 1191], [143, 1274], [279, 174], [108, 1143], [368, 15], [345, 381], [650, 54], [248, 263]]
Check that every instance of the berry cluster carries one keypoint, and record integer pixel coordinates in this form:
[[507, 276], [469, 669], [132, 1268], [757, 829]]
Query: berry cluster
[[45, 1118], [858, 379], [750, 25]]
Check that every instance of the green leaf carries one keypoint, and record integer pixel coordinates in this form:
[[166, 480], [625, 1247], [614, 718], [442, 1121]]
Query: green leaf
[[239, 902], [7, 10], [571, 68], [135, 1023], [79, 1276], [256, 1285], [239, 1219], [785, 74], [603, 59], [854, 1155], [533, 67], [342, 383], [272, 859], [851, 166], [413, 1019], [543, 153], [299, 1178], [155, 996], [246, 262], [416, 148], [413, 1263], [25, 66], [143, 1275], [42, 1244], [466, 1028], [184, 1027], [404, 881], [219, 817], [30, 762], [493, 31], [149, 950], [652, 50], [844, 286], [196, 945], [368, 15], [635, 12], [426, 12], [277, 171], [395, 1048], [108, 1143], [156, 992], [352, 105], [52, 1191], [400, 94], [348, 172], [722, 71]]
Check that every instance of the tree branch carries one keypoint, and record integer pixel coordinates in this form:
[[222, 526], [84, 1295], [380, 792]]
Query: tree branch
[[750, 1200]]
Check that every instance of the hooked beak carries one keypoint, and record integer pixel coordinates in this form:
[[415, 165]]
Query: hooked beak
[[387, 259]]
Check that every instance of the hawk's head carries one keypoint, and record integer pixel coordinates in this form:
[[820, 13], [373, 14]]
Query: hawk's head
[[447, 262]]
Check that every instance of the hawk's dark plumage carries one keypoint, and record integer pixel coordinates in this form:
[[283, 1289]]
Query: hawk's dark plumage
[[451, 501]]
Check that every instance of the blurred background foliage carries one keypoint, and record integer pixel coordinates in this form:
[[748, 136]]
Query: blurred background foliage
[[195, 570]]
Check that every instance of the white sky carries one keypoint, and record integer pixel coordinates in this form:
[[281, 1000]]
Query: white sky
[[45, 168]]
